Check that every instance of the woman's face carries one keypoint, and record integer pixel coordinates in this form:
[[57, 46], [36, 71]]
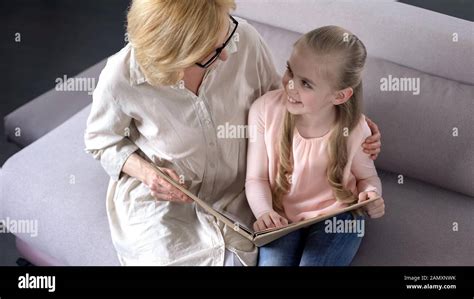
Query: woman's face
[[223, 35], [308, 90]]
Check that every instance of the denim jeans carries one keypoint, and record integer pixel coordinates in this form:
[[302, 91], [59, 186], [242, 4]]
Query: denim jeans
[[313, 246]]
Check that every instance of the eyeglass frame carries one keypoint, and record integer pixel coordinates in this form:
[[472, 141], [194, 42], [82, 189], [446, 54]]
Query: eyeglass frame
[[220, 49]]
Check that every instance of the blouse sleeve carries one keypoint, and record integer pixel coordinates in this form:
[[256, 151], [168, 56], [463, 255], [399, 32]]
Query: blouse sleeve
[[106, 133], [257, 184], [363, 167]]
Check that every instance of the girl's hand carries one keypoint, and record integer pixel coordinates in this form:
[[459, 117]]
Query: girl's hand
[[372, 144], [374, 209], [269, 220], [162, 190]]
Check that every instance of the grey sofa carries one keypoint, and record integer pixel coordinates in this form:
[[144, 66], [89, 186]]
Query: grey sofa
[[426, 164]]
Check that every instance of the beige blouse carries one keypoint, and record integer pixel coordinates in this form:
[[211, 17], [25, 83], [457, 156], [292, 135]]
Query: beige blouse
[[193, 135]]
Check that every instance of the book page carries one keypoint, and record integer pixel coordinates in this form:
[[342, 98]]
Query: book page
[[266, 236], [243, 230]]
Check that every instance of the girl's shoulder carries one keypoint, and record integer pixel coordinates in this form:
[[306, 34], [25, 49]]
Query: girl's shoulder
[[360, 132], [270, 102]]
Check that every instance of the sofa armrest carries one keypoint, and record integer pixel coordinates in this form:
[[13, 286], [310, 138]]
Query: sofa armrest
[[39, 116]]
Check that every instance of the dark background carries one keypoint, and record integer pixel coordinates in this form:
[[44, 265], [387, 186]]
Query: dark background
[[64, 37]]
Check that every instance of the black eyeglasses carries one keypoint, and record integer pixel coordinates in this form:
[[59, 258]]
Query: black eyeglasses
[[220, 49]]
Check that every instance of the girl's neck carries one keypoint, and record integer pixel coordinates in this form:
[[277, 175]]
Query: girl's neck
[[316, 125]]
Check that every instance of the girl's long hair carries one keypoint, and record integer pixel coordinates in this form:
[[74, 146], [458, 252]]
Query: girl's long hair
[[328, 41]]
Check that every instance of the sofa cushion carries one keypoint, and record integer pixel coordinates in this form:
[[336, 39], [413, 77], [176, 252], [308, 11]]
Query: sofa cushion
[[54, 182], [44, 113], [423, 225]]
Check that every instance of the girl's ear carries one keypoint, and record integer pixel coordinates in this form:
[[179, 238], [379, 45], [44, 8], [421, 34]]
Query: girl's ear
[[342, 96]]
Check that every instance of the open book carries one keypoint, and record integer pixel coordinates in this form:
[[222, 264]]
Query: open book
[[263, 237]]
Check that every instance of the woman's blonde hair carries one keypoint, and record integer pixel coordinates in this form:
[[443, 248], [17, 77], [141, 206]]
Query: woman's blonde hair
[[329, 41], [170, 35]]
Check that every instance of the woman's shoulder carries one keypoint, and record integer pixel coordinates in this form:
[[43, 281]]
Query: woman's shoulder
[[249, 39], [115, 76], [247, 31]]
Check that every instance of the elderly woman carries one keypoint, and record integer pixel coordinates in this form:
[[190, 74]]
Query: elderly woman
[[190, 69]]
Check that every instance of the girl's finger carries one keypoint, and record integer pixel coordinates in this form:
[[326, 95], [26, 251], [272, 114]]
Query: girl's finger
[[372, 194], [377, 207], [275, 219], [260, 225], [363, 197], [268, 222], [377, 215], [376, 211], [374, 206], [255, 226]]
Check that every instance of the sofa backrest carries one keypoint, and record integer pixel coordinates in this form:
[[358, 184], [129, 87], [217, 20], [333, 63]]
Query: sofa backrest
[[427, 133], [421, 39]]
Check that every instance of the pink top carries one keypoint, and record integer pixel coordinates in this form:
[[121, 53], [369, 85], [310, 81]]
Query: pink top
[[310, 194]]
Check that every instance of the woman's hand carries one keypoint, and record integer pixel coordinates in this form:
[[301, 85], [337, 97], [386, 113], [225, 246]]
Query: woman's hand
[[162, 190], [269, 220], [372, 144], [374, 209]]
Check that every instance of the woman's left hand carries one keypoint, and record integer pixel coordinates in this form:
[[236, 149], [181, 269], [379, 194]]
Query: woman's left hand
[[374, 209], [372, 144]]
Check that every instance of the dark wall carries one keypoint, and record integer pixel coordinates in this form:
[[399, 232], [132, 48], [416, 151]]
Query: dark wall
[[463, 9], [58, 37]]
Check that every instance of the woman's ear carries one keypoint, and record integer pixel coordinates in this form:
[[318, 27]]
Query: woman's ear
[[343, 96]]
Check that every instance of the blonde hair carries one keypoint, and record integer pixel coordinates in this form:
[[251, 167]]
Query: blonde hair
[[328, 41], [170, 35]]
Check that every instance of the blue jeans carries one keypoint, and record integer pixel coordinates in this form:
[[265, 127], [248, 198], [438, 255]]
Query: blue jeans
[[313, 246]]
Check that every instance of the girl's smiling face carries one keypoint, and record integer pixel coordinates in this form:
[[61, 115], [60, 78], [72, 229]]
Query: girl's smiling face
[[307, 82]]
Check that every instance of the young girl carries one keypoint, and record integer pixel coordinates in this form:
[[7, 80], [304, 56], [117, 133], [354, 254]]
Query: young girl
[[307, 159]]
